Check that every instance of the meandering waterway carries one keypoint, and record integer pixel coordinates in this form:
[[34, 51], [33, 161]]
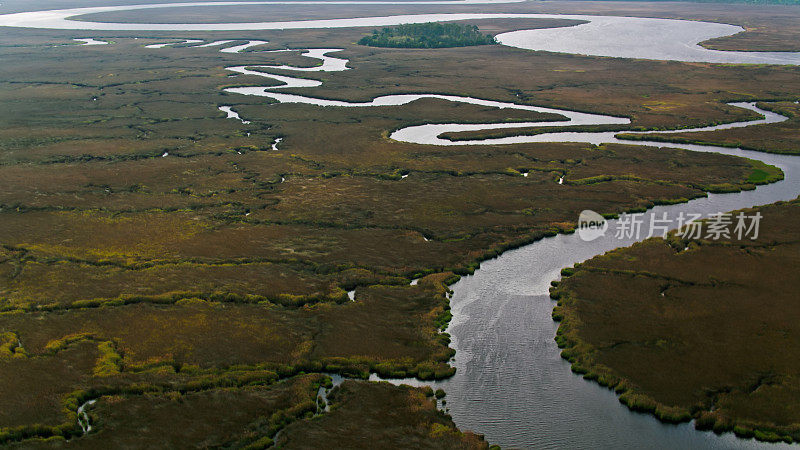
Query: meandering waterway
[[511, 383], [614, 36]]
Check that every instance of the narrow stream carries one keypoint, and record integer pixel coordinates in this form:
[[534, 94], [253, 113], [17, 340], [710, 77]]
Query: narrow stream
[[90, 41], [511, 383], [232, 114], [615, 36], [83, 417]]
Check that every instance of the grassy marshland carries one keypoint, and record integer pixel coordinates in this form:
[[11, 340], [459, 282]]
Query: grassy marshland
[[694, 329], [166, 286]]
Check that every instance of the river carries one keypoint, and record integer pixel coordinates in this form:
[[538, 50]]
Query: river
[[511, 383]]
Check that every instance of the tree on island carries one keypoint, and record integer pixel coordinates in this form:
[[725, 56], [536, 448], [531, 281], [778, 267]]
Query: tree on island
[[428, 35]]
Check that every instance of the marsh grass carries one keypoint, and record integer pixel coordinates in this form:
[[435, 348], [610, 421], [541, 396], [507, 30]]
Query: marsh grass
[[657, 351], [166, 287]]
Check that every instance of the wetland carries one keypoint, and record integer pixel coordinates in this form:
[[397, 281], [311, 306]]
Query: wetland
[[160, 259]]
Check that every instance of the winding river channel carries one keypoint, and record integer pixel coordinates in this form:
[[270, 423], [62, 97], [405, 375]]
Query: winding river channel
[[511, 383], [614, 36]]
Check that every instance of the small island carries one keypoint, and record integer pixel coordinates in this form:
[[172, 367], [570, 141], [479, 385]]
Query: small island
[[428, 35]]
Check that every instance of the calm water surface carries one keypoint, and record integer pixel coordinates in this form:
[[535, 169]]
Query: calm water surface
[[511, 383]]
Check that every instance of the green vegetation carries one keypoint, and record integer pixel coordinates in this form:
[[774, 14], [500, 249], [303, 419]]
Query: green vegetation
[[428, 35], [363, 414], [234, 410], [214, 275], [688, 329]]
